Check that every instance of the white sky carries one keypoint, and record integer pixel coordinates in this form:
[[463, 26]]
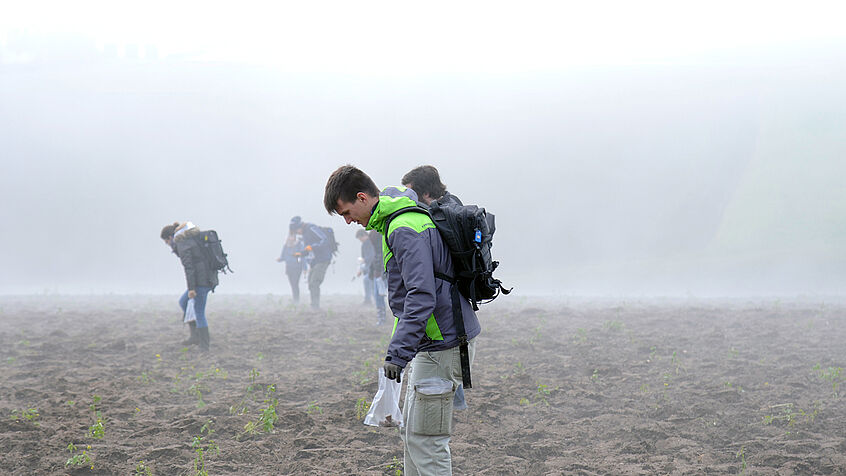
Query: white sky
[[403, 37]]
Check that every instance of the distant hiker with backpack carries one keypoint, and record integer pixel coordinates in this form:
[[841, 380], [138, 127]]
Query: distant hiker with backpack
[[292, 256], [200, 275], [426, 337], [320, 247]]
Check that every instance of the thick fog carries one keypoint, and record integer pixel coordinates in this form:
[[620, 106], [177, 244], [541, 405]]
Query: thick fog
[[716, 173]]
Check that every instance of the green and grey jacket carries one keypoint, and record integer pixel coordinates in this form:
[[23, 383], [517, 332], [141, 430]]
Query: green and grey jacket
[[420, 302]]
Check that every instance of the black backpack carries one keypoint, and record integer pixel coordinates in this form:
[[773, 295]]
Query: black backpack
[[213, 251], [330, 235], [467, 231]]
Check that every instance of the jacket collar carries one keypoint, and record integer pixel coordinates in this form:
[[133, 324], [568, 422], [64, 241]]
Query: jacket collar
[[391, 200]]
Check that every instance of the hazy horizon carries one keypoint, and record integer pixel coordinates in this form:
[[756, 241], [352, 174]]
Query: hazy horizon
[[695, 171]]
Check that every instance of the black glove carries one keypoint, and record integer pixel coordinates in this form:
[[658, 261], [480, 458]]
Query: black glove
[[393, 372]]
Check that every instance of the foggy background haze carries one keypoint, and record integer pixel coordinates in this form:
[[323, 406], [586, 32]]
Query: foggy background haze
[[625, 152]]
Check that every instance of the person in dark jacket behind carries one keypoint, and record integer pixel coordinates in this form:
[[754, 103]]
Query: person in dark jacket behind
[[425, 338], [200, 277], [292, 255], [426, 183], [319, 251]]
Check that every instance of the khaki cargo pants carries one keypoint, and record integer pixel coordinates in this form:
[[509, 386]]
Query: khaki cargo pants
[[428, 418]]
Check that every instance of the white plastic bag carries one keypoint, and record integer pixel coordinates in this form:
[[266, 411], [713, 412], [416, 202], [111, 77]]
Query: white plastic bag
[[190, 313], [385, 410]]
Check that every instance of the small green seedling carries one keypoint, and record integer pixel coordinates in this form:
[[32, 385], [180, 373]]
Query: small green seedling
[[313, 407], [832, 374], [79, 459], [97, 430], [580, 337], [542, 392], [267, 416], [791, 415], [95, 401], [29, 414], [396, 467], [362, 406], [203, 446], [142, 469], [742, 455]]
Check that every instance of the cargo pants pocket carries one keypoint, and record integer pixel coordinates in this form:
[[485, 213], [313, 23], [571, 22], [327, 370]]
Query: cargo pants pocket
[[431, 413]]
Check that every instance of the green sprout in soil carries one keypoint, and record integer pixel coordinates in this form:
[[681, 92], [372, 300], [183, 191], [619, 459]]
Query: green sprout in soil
[[97, 430], [791, 415], [538, 331], [580, 337], [524, 401], [742, 455], [365, 374], [79, 459], [313, 407], [254, 374], [652, 352], [595, 376], [241, 408], [362, 406], [142, 469], [95, 401], [267, 416], [145, 378], [29, 414], [395, 467], [832, 374], [542, 392], [614, 326], [203, 446]]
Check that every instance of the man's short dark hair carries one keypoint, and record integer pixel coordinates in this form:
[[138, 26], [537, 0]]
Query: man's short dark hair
[[344, 184], [425, 179]]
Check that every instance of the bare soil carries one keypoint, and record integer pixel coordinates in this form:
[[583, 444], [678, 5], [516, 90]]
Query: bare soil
[[560, 387]]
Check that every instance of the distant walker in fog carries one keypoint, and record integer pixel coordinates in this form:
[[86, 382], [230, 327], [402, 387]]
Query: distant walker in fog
[[188, 242], [294, 259], [320, 247]]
